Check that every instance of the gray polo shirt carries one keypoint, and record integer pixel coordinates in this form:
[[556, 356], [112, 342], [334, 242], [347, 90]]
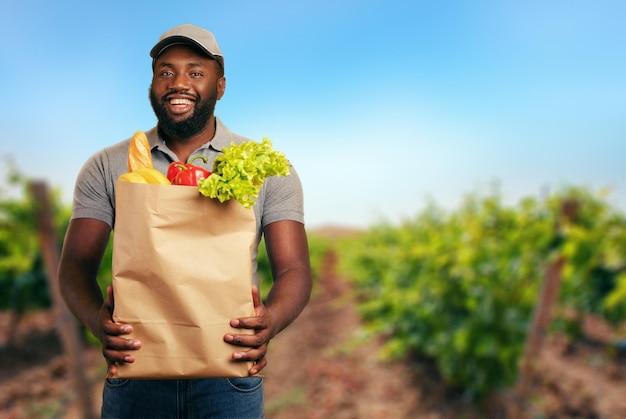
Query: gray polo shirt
[[280, 197]]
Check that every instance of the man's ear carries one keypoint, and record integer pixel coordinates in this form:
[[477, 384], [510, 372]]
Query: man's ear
[[221, 87]]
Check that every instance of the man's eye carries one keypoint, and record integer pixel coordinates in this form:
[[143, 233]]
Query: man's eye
[[166, 73], [196, 74]]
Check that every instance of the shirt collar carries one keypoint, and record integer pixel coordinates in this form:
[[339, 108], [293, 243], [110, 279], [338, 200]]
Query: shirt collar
[[221, 139]]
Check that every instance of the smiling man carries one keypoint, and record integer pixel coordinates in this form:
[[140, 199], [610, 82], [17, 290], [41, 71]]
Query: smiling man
[[188, 79]]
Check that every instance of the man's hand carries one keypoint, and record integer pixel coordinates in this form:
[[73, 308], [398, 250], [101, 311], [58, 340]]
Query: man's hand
[[110, 334], [254, 347]]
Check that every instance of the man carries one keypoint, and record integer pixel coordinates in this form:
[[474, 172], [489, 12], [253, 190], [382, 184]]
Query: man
[[188, 79]]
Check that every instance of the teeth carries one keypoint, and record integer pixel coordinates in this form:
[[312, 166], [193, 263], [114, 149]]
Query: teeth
[[180, 101]]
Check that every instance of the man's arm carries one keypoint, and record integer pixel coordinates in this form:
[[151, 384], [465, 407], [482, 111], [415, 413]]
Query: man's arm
[[85, 242], [288, 254]]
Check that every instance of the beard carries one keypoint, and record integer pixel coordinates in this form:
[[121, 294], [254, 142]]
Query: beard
[[203, 110]]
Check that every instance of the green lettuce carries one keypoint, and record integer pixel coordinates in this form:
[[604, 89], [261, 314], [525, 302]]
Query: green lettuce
[[239, 172]]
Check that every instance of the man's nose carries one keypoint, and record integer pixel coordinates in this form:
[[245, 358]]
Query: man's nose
[[180, 82]]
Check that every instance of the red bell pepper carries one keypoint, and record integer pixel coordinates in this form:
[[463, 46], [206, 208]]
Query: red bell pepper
[[180, 173]]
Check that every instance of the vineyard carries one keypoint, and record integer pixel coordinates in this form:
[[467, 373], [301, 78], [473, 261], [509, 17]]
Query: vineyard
[[486, 310], [461, 288]]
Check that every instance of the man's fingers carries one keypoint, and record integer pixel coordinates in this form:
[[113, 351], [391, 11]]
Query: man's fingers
[[117, 343], [257, 323], [255, 355], [114, 357], [111, 369], [114, 346], [258, 366], [116, 329], [250, 354], [250, 341], [113, 349], [253, 346]]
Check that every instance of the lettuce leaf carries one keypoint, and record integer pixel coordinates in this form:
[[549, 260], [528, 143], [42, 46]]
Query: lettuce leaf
[[239, 172]]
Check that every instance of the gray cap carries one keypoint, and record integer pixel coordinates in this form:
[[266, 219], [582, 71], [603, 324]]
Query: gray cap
[[190, 35]]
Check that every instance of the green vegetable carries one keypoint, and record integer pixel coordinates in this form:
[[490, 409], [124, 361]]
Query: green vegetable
[[239, 172]]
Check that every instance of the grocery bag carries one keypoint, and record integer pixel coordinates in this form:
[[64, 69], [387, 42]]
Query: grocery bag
[[182, 270]]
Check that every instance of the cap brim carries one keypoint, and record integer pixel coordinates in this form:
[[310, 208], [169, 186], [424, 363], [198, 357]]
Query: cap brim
[[182, 40]]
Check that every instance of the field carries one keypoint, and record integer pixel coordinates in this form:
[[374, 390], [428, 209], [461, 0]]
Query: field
[[318, 368]]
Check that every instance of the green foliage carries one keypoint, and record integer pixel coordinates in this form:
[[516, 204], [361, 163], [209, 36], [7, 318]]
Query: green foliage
[[594, 278], [23, 280], [460, 287], [318, 247], [239, 172]]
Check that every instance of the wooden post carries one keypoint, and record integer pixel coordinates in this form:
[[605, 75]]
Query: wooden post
[[66, 325], [543, 309], [541, 321]]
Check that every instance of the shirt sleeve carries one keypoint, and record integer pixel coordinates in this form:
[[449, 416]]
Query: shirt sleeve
[[94, 190], [283, 199]]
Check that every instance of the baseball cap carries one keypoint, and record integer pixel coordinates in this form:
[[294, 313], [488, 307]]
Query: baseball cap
[[190, 35]]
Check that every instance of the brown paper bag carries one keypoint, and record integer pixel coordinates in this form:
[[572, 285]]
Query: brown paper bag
[[181, 272]]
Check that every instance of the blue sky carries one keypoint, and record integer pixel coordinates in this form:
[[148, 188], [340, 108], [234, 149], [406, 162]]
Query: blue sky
[[381, 105]]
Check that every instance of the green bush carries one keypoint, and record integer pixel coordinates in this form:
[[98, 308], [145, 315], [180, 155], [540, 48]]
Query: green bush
[[318, 247], [23, 277], [460, 287]]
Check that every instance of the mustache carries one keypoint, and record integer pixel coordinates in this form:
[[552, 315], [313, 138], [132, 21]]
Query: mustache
[[183, 93]]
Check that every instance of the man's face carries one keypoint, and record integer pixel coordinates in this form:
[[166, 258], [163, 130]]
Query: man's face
[[185, 87]]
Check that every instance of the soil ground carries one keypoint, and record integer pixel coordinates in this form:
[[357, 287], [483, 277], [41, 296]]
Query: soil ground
[[318, 369]]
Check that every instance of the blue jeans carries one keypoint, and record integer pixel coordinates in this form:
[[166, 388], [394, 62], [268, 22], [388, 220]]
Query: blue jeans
[[237, 398]]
